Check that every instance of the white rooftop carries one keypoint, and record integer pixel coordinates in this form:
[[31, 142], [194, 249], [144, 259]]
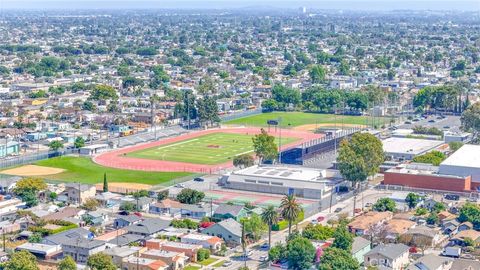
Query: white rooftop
[[467, 156], [196, 236], [283, 172], [409, 145]]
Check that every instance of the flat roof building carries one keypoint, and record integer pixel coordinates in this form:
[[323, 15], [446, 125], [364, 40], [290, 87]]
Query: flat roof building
[[274, 179], [464, 162], [408, 148]]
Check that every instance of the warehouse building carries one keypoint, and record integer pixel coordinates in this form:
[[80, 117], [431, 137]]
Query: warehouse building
[[408, 148], [302, 182], [464, 162]]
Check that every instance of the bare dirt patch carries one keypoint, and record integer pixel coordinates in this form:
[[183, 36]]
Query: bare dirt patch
[[32, 170]]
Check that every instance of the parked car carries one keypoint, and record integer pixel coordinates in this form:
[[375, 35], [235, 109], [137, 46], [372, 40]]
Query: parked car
[[452, 197], [227, 263], [368, 205], [320, 219], [264, 246], [179, 185], [198, 179], [314, 221], [338, 209], [263, 258]]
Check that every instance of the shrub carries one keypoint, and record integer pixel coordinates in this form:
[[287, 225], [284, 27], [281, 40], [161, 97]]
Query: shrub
[[203, 254]]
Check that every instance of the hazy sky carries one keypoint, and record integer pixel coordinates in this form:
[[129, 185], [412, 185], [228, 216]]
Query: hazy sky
[[214, 4]]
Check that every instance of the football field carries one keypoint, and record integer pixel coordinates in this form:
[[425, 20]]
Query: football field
[[214, 148]]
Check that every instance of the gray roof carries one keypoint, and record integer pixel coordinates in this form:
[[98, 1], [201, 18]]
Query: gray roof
[[423, 230], [198, 208], [462, 264], [148, 226], [85, 243], [69, 236], [231, 225], [359, 243], [429, 262], [83, 187], [121, 251], [392, 251], [223, 209], [126, 239], [130, 218]]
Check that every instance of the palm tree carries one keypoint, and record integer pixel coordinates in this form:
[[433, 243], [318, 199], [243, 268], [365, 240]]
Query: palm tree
[[290, 210], [270, 217]]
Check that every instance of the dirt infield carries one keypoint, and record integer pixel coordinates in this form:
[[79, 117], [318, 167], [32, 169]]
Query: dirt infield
[[117, 158], [32, 170], [124, 188], [313, 127]]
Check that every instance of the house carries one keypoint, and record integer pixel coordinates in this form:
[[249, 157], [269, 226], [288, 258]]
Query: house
[[148, 226], [188, 249], [11, 205], [392, 256], [42, 251], [124, 221], [431, 262], [209, 242], [226, 211], [66, 212], [396, 227], [360, 247], [229, 230], [465, 226], [422, 236], [175, 260], [459, 238], [450, 226], [69, 236], [97, 217], [197, 211], [119, 253], [361, 224], [80, 249], [445, 215], [137, 263], [166, 207], [78, 193], [126, 239]]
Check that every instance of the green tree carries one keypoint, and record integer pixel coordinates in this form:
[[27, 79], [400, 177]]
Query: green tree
[[412, 200], [438, 207], [317, 232], [300, 253], [105, 182], [55, 145], [190, 196], [336, 259], [162, 195], [434, 157], [67, 264], [432, 218], [254, 226], [317, 74], [79, 142], [270, 217], [470, 119], [91, 204], [243, 161], [100, 261], [28, 188], [360, 157], [470, 212], [203, 254], [264, 146], [128, 206], [384, 204], [343, 238], [22, 260], [290, 209], [103, 92], [277, 253]]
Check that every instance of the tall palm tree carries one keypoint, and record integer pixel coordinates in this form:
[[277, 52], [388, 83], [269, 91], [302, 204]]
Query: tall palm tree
[[270, 217], [290, 210]]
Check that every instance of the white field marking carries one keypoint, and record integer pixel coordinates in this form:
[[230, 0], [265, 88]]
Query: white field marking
[[245, 152], [160, 148]]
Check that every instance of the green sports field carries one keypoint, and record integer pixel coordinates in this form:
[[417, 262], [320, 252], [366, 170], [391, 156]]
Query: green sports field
[[210, 149], [294, 119], [82, 169]]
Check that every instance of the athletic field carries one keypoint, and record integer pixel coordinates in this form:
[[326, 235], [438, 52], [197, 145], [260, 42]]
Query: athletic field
[[209, 149], [298, 119]]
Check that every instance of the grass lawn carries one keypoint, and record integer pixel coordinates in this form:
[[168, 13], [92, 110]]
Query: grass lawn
[[219, 264], [208, 149], [191, 267], [294, 119], [208, 261], [82, 169]]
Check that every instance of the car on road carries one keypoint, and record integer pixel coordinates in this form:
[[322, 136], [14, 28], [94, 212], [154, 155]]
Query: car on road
[[314, 221], [357, 210], [408, 122], [227, 263], [368, 205], [249, 253], [431, 121], [338, 209], [263, 258], [198, 179], [264, 246], [452, 197], [320, 219], [179, 185]]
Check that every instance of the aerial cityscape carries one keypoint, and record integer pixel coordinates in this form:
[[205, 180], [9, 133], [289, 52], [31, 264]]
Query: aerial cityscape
[[185, 135]]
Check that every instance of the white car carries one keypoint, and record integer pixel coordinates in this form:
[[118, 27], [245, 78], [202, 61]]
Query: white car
[[263, 258], [179, 185], [227, 263]]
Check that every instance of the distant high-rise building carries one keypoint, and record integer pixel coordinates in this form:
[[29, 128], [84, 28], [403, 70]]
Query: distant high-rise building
[[303, 10]]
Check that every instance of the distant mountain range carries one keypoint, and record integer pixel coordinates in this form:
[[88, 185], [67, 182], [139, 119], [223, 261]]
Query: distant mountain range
[[467, 5]]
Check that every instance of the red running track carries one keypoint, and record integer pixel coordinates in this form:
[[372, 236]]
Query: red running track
[[116, 158]]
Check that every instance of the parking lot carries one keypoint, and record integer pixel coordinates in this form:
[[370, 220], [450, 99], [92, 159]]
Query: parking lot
[[449, 122]]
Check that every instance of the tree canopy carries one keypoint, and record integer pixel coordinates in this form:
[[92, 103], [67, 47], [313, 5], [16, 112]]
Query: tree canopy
[[264, 146], [336, 258], [190, 196], [384, 204]]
